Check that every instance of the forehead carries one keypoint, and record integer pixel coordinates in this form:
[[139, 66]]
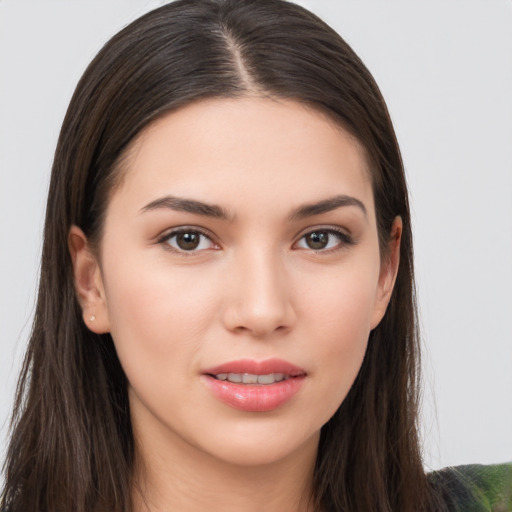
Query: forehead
[[235, 150]]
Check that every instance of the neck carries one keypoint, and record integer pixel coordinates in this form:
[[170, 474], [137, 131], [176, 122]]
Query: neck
[[199, 482]]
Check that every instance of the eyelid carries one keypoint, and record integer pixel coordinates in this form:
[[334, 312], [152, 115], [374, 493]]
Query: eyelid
[[346, 239], [170, 233]]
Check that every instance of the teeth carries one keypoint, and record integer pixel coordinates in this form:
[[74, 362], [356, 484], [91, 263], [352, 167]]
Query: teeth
[[251, 378], [266, 379]]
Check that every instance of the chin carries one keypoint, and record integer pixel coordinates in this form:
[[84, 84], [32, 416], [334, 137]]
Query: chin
[[257, 445]]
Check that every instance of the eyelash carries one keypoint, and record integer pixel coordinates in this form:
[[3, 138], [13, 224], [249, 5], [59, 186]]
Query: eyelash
[[164, 240], [345, 240]]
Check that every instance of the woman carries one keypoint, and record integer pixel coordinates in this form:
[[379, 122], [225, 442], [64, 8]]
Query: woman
[[226, 312]]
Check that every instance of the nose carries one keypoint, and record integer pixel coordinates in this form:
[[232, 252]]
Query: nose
[[259, 297]]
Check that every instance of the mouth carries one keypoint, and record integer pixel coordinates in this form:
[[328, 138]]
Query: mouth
[[255, 386], [253, 378]]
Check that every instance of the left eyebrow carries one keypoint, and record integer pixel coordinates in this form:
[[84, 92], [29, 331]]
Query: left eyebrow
[[326, 205], [181, 204]]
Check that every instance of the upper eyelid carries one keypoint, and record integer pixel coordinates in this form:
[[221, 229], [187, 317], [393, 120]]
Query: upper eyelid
[[345, 239], [170, 232], [323, 227], [167, 235]]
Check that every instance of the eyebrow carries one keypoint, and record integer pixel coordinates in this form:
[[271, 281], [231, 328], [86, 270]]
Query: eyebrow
[[327, 205], [188, 205], [211, 210]]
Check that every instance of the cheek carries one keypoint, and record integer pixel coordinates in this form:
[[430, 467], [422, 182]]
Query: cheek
[[341, 303], [156, 315], [339, 320], [342, 330]]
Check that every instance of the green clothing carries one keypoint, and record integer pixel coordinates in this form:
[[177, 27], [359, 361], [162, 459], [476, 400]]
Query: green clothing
[[475, 488]]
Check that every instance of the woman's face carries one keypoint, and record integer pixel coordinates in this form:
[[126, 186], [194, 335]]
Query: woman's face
[[241, 245]]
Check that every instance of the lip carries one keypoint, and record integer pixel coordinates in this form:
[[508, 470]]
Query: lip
[[255, 397], [257, 367]]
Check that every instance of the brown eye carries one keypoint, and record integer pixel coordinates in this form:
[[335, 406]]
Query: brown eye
[[188, 241], [323, 240], [317, 240]]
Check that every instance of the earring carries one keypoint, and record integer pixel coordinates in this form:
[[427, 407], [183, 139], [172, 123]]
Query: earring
[[92, 318]]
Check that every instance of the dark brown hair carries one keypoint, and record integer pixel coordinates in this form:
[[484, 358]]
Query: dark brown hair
[[72, 447]]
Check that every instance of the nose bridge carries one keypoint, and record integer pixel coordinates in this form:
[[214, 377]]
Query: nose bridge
[[260, 299]]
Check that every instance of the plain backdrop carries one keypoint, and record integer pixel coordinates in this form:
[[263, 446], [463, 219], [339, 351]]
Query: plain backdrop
[[445, 69]]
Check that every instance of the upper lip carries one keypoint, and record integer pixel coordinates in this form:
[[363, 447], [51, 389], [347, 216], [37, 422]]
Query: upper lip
[[253, 367]]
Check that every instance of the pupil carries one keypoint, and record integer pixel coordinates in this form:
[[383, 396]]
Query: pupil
[[317, 240], [187, 241]]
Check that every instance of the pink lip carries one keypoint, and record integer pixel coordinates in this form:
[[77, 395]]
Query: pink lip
[[257, 367], [255, 397]]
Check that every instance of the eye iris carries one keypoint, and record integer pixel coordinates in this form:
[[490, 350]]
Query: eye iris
[[317, 239], [188, 241]]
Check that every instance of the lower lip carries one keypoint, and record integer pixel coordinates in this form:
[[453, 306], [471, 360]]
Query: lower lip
[[253, 397]]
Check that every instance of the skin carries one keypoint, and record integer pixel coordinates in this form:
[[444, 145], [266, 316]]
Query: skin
[[254, 288]]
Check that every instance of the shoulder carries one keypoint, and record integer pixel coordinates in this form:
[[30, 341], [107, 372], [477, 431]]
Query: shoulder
[[475, 487]]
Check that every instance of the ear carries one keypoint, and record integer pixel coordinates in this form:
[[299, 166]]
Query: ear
[[88, 282], [388, 272]]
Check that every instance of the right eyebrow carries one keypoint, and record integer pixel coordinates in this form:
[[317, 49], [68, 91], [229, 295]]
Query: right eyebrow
[[181, 204], [327, 205]]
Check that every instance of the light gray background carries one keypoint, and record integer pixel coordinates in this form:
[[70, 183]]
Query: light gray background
[[445, 69]]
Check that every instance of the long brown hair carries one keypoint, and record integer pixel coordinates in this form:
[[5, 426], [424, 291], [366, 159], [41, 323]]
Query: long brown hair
[[72, 446]]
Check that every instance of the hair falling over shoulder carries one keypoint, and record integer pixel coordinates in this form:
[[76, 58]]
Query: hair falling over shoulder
[[71, 445]]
